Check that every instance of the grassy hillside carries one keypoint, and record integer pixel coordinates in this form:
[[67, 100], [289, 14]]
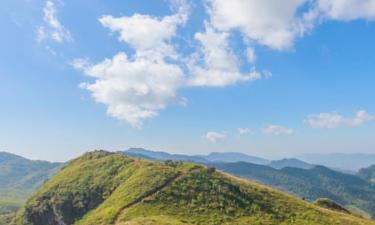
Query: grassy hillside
[[102, 188], [19, 178], [348, 190]]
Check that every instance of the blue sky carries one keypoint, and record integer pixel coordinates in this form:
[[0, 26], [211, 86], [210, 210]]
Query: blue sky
[[260, 77]]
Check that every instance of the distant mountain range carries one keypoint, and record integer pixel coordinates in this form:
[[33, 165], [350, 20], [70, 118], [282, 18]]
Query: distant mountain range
[[346, 162], [212, 157], [20, 177]]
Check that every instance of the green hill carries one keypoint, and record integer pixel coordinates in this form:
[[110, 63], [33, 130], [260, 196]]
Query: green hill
[[102, 188], [354, 193], [19, 179]]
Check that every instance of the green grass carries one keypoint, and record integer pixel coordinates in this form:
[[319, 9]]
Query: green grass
[[103, 188]]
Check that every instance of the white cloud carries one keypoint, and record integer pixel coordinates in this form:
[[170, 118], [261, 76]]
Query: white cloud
[[347, 10], [277, 130], [220, 64], [146, 33], [136, 88], [273, 23], [214, 137], [250, 54], [243, 131], [334, 120], [52, 29], [277, 24]]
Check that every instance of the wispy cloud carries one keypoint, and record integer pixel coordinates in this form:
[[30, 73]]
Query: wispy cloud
[[277, 130], [243, 131], [214, 137], [334, 120], [52, 29]]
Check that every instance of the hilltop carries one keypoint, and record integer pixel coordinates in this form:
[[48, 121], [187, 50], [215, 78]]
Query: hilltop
[[102, 188]]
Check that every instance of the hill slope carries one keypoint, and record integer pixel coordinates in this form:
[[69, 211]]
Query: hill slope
[[318, 182], [20, 177], [102, 188]]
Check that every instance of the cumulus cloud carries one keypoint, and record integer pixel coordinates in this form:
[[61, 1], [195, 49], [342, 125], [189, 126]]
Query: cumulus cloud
[[347, 10], [52, 28], [334, 120], [276, 24], [138, 87], [243, 131], [277, 130], [214, 137], [146, 33], [134, 90], [220, 64], [272, 23]]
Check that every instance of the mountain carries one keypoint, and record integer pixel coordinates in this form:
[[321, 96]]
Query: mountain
[[101, 188], [20, 177], [296, 163], [367, 173], [212, 157], [346, 162], [319, 182], [234, 157]]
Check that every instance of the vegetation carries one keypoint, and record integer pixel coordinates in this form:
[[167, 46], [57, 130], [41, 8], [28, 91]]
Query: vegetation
[[352, 192], [102, 188], [6, 218], [19, 178]]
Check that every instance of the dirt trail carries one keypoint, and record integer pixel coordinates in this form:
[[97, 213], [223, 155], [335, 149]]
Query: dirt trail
[[146, 195]]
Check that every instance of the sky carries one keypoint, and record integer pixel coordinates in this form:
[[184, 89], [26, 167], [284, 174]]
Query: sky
[[268, 78]]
